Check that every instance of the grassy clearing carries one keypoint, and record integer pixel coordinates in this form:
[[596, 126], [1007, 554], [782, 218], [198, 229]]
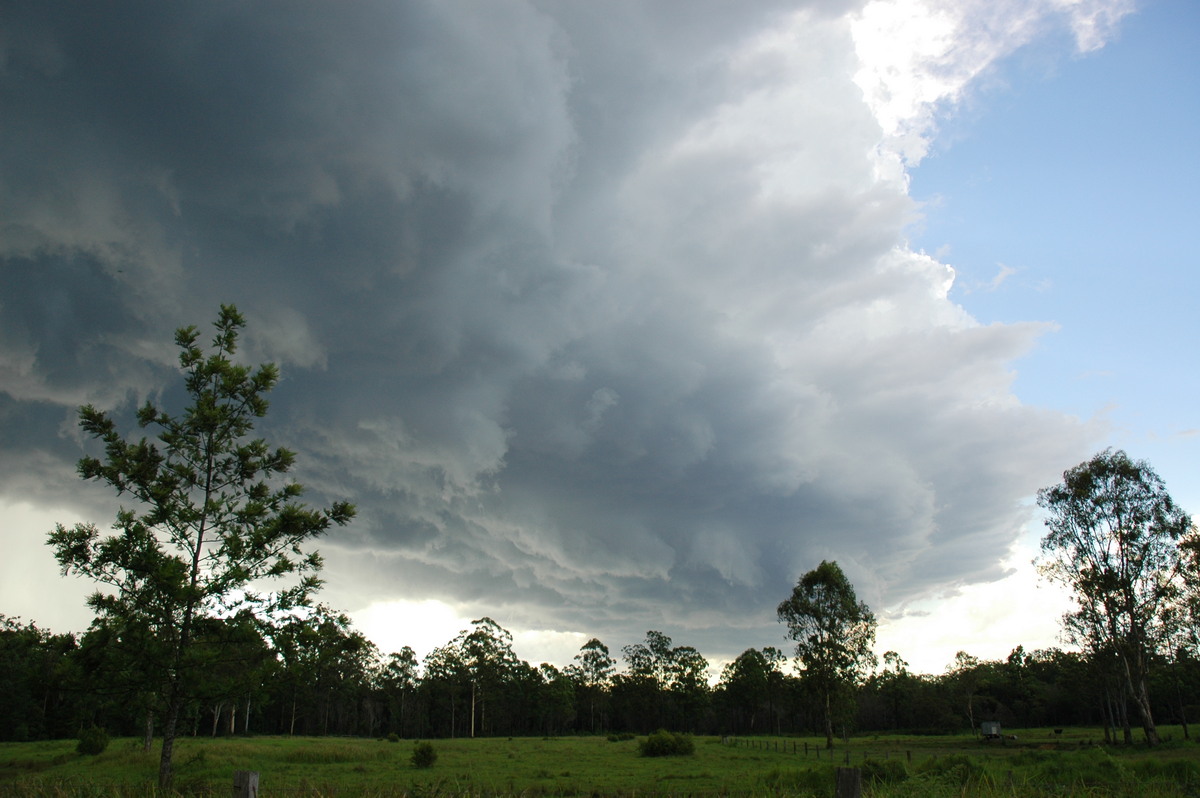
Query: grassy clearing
[[1038, 763]]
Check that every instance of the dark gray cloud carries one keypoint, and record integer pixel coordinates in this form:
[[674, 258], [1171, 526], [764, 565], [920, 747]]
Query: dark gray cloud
[[600, 312]]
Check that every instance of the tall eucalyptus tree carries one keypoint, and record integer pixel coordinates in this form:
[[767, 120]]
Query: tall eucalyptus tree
[[834, 633], [1114, 540]]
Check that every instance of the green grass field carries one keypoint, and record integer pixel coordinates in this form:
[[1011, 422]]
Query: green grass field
[[1038, 763]]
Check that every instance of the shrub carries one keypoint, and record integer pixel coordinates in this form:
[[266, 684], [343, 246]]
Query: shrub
[[620, 738], [92, 741], [815, 781], [953, 769], [665, 743], [1180, 771], [1093, 766], [393, 738], [423, 755], [888, 771]]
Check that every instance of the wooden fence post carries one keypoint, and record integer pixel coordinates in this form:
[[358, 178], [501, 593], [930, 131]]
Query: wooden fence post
[[245, 784], [849, 783]]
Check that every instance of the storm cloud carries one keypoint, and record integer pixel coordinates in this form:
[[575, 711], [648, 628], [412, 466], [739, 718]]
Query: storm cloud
[[602, 313]]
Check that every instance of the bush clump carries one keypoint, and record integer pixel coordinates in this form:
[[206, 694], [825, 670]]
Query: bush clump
[[1180, 771], [92, 741], [393, 737], [423, 755], [665, 743], [953, 769], [620, 738], [1091, 767], [888, 771], [816, 781]]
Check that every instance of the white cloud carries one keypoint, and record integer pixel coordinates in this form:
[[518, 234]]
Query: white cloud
[[985, 620], [920, 57], [1002, 274], [1094, 22], [422, 625]]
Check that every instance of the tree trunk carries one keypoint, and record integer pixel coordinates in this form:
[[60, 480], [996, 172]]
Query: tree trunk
[[1182, 708], [170, 724], [1123, 713], [1141, 698], [403, 714], [325, 720], [828, 721], [1110, 721], [148, 732], [1135, 684]]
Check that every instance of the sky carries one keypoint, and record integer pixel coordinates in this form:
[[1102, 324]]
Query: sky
[[616, 317]]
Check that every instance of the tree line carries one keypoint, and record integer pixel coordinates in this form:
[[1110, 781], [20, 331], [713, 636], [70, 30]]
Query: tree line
[[319, 676], [186, 640]]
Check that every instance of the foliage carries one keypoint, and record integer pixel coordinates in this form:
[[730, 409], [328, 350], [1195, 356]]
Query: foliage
[[323, 666], [665, 743], [210, 521], [423, 755], [814, 781], [665, 685], [884, 771], [1180, 771], [834, 633], [1113, 539], [955, 769], [37, 678], [314, 674], [592, 672], [752, 690], [1093, 766], [92, 741], [396, 683]]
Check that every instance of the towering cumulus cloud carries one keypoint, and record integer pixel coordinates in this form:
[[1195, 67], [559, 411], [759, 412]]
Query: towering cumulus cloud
[[602, 313]]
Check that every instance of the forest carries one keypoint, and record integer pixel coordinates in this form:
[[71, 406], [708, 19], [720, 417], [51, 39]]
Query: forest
[[319, 676]]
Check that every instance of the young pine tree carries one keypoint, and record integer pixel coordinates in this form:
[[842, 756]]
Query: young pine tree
[[211, 518]]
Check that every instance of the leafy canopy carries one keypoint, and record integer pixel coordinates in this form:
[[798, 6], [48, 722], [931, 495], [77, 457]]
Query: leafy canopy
[[210, 521], [1113, 535], [833, 630]]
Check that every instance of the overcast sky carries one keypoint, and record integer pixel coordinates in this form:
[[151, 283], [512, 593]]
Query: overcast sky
[[615, 316]]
